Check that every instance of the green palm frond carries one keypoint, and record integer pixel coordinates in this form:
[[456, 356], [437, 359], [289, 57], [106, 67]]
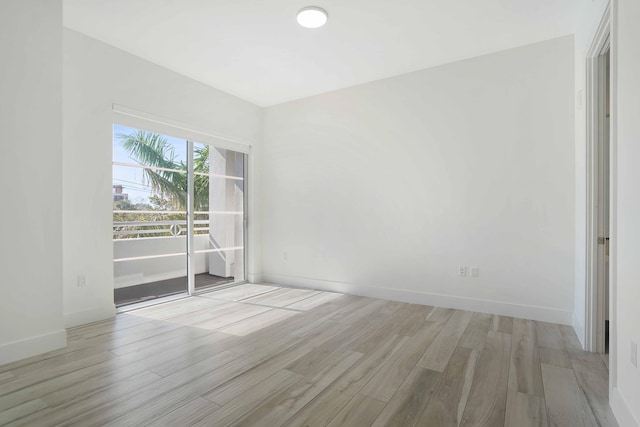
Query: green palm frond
[[152, 149], [149, 149], [201, 182], [168, 184]]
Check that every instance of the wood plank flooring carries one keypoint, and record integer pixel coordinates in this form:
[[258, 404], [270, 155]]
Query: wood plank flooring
[[258, 355]]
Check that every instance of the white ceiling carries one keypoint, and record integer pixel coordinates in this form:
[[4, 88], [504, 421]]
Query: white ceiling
[[255, 50]]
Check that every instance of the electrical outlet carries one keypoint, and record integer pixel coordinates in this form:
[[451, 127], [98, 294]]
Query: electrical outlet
[[475, 272], [462, 271], [82, 281], [634, 353], [285, 256]]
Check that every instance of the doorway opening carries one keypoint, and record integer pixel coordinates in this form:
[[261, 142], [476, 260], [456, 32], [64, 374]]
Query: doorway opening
[[178, 215], [599, 116], [603, 202]]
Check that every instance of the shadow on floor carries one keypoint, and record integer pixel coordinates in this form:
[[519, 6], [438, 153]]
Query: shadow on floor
[[164, 288]]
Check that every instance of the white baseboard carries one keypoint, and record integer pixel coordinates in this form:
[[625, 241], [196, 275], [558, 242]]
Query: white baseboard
[[621, 410], [83, 317], [32, 346], [448, 301], [578, 327]]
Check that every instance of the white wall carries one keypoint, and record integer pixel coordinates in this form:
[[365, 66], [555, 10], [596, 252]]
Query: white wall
[[30, 120], [384, 189], [95, 77], [626, 394], [589, 17]]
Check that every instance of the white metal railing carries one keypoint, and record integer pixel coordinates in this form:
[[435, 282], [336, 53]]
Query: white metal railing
[[167, 227], [180, 212], [134, 229], [162, 227]]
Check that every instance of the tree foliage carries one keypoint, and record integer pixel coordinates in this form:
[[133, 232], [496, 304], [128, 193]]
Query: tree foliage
[[168, 181]]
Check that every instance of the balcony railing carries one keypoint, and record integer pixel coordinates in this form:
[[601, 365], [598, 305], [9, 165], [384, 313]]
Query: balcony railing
[[134, 224]]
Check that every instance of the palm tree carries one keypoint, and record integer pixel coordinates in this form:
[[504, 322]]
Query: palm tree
[[169, 180], [201, 182]]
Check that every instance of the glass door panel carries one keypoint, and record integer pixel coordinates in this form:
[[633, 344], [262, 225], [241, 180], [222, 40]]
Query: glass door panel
[[219, 178], [149, 215]]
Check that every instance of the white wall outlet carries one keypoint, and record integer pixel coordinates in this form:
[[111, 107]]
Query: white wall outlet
[[462, 271], [475, 271], [285, 256], [82, 280], [634, 353]]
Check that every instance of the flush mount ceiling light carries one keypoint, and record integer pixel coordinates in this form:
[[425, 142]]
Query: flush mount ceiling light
[[312, 17]]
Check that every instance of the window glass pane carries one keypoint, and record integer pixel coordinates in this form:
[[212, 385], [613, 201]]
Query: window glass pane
[[149, 215], [219, 188]]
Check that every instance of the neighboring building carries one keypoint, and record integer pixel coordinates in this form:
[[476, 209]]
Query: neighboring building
[[118, 194]]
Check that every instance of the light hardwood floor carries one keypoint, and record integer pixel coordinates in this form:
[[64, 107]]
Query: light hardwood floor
[[257, 355]]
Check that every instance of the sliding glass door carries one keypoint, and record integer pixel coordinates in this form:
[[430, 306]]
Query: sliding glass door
[[178, 215], [219, 215]]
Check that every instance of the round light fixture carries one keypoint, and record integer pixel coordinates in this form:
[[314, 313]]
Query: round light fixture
[[312, 17]]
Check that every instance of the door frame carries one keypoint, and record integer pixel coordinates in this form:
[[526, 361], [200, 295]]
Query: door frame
[[149, 121], [595, 291]]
